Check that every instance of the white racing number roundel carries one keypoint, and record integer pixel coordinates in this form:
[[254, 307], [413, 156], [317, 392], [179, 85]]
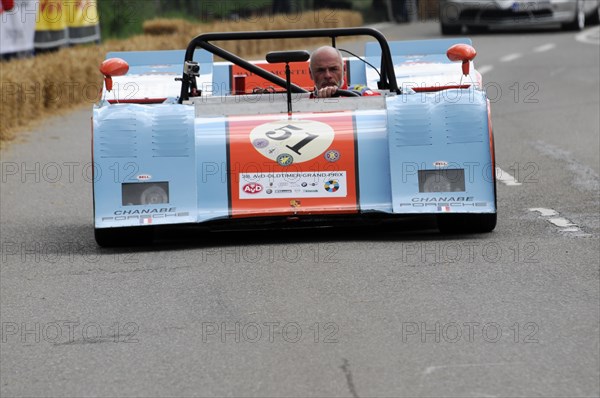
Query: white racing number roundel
[[287, 141]]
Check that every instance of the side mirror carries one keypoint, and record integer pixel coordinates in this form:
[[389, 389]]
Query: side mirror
[[113, 67], [8, 5], [464, 53]]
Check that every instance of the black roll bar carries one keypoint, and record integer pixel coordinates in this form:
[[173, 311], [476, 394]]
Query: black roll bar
[[388, 76]]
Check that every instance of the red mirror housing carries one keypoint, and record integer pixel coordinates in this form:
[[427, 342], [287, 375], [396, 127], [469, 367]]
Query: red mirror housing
[[113, 67], [7, 5], [464, 53]]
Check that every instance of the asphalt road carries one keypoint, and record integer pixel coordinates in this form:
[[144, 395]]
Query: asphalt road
[[403, 312]]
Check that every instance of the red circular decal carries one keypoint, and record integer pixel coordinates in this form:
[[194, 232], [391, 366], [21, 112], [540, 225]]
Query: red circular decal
[[252, 188]]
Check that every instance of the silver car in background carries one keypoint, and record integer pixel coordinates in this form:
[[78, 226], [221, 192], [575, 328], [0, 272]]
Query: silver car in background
[[479, 15]]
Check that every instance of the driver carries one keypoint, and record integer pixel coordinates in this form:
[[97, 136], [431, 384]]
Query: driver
[[327, 72]]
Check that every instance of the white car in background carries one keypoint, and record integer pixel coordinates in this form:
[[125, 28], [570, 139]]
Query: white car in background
[[479, 15]]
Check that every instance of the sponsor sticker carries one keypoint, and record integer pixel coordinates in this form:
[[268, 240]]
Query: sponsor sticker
[[260, 143], [332, 186], [332, 155], [292, 159], [299, 185], [143, 177], [302, 140], [285, 159], [252, 188]]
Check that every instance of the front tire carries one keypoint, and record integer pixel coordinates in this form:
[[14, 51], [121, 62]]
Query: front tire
[[126, 236], [578, 22], [595, 18], [466, 223]]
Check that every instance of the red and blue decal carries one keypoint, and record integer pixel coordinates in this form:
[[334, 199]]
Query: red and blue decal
[[285, 166]]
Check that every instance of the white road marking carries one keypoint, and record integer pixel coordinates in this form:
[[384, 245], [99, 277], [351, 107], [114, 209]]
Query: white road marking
[[506, 178], [561, 222], [430, 369], [544, 48], [589, 36], [545, 212], [511, 57], [574, 229], [564, 224], [485, 69]]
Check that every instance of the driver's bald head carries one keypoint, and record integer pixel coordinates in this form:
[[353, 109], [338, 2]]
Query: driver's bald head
[[327, 67], [325, 53]]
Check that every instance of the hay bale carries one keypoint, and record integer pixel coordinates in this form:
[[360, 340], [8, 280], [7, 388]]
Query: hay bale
[[70, 76], [161, 26]]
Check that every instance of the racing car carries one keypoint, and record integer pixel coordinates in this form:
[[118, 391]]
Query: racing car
[[180, 138]]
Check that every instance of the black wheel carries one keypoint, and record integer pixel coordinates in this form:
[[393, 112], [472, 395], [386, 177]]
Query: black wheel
[[126, 236], [578, 22], [466, 223], [450, 29], [595, 17], [345, 93]]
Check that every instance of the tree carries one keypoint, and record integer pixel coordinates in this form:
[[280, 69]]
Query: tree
[[281, 6]]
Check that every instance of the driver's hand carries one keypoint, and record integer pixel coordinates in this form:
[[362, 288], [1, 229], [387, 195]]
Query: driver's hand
[[326, 92]]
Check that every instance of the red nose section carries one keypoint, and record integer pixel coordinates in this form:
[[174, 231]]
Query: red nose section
[[464, 53], [113, 67]]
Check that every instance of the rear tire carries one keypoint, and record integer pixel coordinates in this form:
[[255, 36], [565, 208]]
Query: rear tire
[[126, 236], [466, 223]]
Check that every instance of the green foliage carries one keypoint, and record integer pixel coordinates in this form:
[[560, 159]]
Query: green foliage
[[124, 18]]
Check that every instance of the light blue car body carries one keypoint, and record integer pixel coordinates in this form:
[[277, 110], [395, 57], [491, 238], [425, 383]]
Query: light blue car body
[[411, 133]]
